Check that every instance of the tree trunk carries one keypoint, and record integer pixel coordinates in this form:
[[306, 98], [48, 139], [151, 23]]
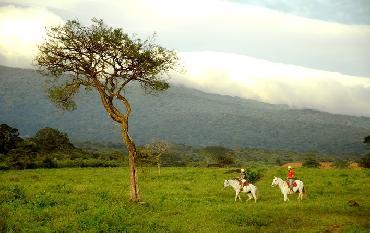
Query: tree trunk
[[134, 186]]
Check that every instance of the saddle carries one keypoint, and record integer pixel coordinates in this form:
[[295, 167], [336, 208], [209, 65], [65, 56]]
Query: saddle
[[243, 184], [294, 184]]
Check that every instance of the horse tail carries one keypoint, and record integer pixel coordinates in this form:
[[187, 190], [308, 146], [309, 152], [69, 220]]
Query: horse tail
[[257, 193], [304, 191]]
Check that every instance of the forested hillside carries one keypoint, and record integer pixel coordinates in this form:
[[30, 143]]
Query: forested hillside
[[182, 116]]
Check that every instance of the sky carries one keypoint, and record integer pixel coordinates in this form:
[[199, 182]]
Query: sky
[[306, 54]]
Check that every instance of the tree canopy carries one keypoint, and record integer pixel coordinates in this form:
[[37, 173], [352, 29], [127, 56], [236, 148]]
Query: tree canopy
[[100, 57], [49, 139], [367, 140], [9, 137], [218, 154]]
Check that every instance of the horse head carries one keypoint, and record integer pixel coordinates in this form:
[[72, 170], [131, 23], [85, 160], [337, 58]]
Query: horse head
[[226, 183], [274, 182]]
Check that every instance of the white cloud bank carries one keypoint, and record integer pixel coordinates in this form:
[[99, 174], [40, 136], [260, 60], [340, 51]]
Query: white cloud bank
[[227, 29], [21, 29], [230, 27], [248, 77]]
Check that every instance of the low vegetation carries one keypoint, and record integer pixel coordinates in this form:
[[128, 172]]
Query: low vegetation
[[180, 200], [51, 148]]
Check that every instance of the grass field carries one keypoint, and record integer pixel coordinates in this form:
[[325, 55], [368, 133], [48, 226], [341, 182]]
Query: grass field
[[180, 200]]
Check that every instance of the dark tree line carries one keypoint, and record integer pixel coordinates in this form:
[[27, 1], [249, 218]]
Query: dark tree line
[[46, 140], [31, 152], [9, 138], [365, 161]]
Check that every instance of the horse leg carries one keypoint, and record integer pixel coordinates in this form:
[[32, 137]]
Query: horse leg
[[286, 197], [249, 196], [301, 193], [254, 195], [237, 194]]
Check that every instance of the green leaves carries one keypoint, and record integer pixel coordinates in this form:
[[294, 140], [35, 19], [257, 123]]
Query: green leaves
[[62, 96], [103, 58], [9, 138]]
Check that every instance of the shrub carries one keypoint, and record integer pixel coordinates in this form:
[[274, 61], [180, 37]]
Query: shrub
[[253, 175], [3, 227], [219, 155], [365, 161], [341, 164], [49, 163], [311, 162], [49, 139]]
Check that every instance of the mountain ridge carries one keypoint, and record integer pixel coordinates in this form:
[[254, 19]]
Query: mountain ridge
[[181, 115]]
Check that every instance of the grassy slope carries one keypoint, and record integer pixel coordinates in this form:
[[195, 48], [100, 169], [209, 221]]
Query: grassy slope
[[180, 200]]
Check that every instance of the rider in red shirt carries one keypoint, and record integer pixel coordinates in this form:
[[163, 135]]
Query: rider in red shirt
[[242, 178], [290, 176]]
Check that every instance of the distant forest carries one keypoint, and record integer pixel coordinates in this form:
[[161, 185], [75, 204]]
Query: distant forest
[[182, 116], [51, 148]]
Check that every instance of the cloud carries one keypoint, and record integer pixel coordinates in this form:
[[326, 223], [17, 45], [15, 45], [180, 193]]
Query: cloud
[[248, 77], [231, 27], [350, 12], [20, 30], [258, 53]]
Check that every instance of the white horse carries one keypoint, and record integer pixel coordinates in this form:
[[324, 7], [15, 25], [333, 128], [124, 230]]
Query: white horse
[[250, 189], [284, 188]]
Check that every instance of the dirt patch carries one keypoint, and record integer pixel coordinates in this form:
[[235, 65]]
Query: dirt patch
[[293, 165], [353, 203], [354, 165], [333, 229], [327, 165]]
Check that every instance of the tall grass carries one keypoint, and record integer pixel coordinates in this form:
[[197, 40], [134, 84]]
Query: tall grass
[[179, 200]]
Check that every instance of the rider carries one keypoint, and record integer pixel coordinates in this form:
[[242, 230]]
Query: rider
[[290, 176], [242, 178]]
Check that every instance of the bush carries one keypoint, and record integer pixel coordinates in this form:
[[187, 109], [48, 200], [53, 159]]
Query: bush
[[311, 162], [219, 155], [341, 164], [49, 139], [365, 161], [4, 166], [49, 163], [3, 227], [253, 175]]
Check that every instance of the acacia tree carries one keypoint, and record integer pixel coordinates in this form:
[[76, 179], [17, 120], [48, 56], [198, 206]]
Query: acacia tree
[[156, 150], [105, 59]]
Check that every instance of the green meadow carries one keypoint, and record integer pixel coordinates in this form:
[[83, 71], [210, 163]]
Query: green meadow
[[180, 200]]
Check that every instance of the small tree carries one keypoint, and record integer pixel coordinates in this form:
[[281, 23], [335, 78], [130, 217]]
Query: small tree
[[218, 154], [49, 139], [365, 161], [311, 162], [9, 138], [156, 150], [104, 59], [367, 140]]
